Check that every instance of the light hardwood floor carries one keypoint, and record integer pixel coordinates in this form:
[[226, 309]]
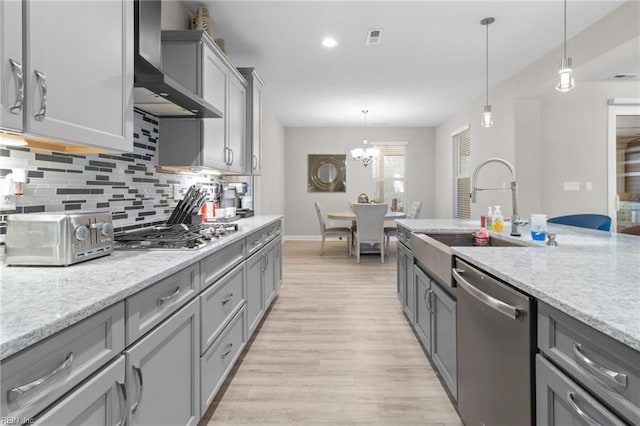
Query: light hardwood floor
[[334, 349]]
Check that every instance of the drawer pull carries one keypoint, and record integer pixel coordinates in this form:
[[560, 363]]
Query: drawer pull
[[122, 398], [603, 373], [42, 81], [163, 300], [578, 410], [136, 404], [228, 298], [227, 350], [17, 393], [16, 67], [509, 311]]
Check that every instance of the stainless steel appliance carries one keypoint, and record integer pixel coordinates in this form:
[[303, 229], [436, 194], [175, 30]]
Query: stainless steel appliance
[[154, 91], [58, 238], [496, 332], [180, 236]]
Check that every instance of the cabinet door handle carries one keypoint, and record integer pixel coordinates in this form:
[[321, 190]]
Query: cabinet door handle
[[165, 299], [612, 378], [227, 350], [16, 67], [138, 371], [572, 402], [228, 298], [42, 80], [231, 156], [427, 299], [496, 304], [122, 397], [17, 393], [254, 162]]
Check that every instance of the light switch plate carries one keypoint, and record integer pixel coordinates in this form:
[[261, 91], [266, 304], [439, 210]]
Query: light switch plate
[[572, 186]]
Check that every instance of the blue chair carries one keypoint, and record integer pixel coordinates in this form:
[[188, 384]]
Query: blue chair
[[592, 221]]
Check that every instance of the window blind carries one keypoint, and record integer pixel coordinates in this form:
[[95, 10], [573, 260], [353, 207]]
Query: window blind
[[462, 173]]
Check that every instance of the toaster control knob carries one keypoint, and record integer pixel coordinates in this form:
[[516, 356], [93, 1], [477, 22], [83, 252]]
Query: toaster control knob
[[81, 233], [106, 229]]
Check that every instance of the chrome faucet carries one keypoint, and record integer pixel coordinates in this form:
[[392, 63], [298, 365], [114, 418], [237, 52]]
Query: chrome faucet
[[515, 218]]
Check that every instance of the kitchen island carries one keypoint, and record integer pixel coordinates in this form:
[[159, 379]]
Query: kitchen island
[[593, 276], [562, 321]]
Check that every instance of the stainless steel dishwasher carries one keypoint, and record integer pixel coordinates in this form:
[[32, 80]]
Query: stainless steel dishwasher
[[496, 343]]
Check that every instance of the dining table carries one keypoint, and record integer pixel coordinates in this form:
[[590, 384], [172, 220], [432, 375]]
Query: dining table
[[349, 215]]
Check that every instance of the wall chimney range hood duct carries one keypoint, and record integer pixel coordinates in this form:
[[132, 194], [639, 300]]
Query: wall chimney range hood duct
[[155, 92]]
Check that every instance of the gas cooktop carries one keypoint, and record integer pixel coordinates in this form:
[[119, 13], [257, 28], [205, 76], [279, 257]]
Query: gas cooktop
[[180, 236]]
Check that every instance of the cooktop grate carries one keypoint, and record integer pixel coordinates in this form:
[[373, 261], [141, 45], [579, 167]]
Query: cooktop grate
[[174, 236]]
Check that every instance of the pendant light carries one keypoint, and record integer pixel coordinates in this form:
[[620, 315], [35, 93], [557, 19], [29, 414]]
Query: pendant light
[[364, 154], [565, 74], [487, 120]]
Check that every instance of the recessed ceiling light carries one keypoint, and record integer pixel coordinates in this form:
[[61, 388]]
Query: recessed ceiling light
[[329, 42]]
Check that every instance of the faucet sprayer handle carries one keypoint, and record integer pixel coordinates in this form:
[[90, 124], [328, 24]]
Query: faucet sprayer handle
[[552, 239]]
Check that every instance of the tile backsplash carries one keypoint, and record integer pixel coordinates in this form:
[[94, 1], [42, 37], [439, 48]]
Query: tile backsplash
[[126, 184]]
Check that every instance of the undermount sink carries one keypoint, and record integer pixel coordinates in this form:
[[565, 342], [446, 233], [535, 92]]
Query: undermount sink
[[433, 251], [466, 240]]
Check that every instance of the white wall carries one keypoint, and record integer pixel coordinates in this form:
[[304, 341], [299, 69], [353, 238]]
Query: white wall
[[550, 137], [300, 142], [175, 15], [270, 196]]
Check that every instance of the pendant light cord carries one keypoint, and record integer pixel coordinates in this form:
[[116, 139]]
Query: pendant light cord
[[364, 129], [487, 86], [565, 28]]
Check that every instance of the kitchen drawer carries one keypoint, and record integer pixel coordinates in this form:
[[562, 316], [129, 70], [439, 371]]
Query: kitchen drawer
[[221, 262], [34, 378], [560, 401], [272, 231], [150, 306], [218, 361], [606, 367], [101, 400], [218, 304], [254, 242]]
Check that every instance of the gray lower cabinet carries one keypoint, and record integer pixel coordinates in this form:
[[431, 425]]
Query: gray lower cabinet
[[219, 359], [401, 274], [163, 372], [560, 401], [443, 337], [255, 304], [277, 267], [409, 288], [606, 368], [435, 325], [423, 315], [268, 275], [41, 374], [101, 400]]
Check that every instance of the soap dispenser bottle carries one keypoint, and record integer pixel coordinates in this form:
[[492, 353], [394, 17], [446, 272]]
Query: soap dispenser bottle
[[498, 220], [489, 220]]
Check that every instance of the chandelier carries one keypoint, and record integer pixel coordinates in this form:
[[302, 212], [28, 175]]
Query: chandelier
[[366, 153]]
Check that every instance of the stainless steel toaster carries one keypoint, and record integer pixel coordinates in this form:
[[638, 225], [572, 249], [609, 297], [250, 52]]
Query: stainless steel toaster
[[58, 239]]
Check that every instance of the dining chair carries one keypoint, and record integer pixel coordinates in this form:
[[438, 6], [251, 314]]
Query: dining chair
[[592, 221], [332, 231], [391, 230], [370, 227]]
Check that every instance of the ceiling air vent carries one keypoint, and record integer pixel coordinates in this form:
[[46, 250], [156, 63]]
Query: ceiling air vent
[[374, 36]]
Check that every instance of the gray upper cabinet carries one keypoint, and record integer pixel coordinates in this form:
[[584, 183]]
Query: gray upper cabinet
[[254, 119], [12, 70], [163, 372], [192, 59], [78, 76], [101, 401]]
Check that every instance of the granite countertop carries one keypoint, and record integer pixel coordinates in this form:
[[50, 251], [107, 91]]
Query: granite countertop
[[593, 276], [36, 302]]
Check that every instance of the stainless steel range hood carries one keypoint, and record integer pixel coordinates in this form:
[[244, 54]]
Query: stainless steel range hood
[[154, 92]]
